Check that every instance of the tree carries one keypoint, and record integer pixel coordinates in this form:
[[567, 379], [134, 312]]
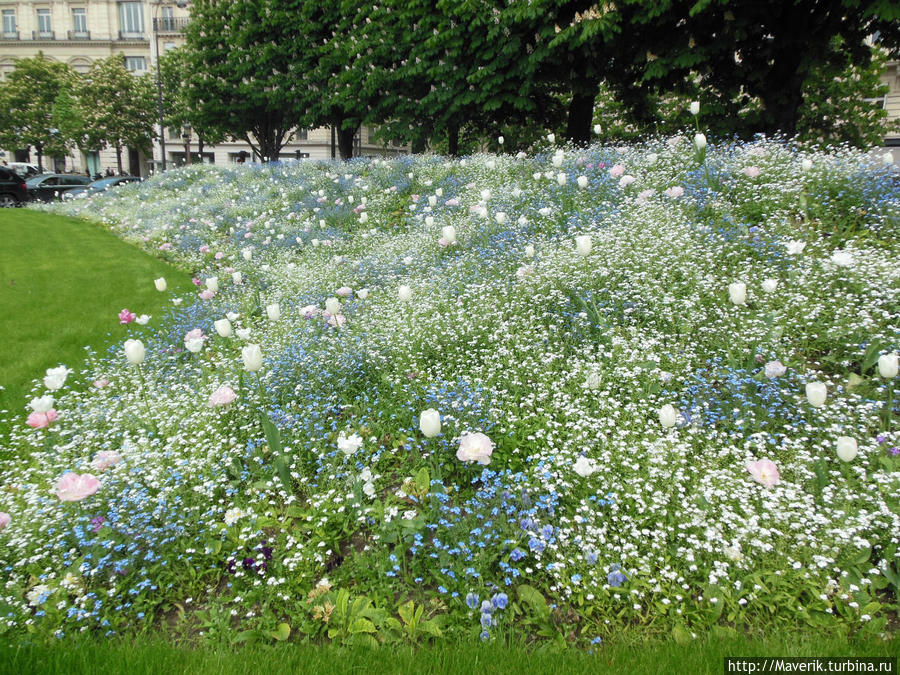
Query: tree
[[118, 108], [244, 78], [27, 100]]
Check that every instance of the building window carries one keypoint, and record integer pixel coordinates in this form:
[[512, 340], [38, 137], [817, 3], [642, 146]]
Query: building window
[[302, 134], [167, 20], [136, 64], [9, 23], [44, 29], [131, 19], [168, 46], [80, 65], [79, 21]]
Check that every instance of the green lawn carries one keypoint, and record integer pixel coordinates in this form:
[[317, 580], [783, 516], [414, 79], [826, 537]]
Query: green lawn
[[629, 653], [62, 283]]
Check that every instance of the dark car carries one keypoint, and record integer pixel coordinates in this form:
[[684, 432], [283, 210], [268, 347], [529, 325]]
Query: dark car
[[13, 190], [101, 185], [50, 186]]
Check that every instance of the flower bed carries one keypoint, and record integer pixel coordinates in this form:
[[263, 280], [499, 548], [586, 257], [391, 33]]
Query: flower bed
[[543, 396]]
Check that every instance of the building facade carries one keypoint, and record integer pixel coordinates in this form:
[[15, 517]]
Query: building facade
[[891, 77], [79, 32]]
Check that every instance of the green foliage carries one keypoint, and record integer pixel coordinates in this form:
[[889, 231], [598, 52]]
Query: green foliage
[[28, 100]]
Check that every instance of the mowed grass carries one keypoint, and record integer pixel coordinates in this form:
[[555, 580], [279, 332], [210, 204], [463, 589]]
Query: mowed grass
[[62, 283], [632, 652]]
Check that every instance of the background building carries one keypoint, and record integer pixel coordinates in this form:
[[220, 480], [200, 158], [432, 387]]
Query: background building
[[79, 32], [891, 77]]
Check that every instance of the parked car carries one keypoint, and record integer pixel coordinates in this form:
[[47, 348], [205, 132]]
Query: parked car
[[13, 191], [50, 186], [101, 185], [25, 169]]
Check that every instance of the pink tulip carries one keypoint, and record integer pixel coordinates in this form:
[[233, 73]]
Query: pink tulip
[[337, 320], [204, 249], [617, 171], [39, 420], [73, 488], [751, 171], [222, 396], [343, 291], [207, 295], [5, 519], [764, 472], [101, 383], [105, 459], [126, 316]]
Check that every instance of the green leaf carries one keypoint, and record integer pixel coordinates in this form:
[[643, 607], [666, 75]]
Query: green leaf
[[406, 611], [535, 600], [284, 474], [681, 635], [433, 628], [871, 356], [361, 626], [282, 633], [273, 437], [423, 482]]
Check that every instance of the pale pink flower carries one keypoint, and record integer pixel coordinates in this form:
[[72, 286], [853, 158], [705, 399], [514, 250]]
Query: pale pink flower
[[475, 448], [674, 192], [617, 171], [343, 291], [336, 320], [40, 420], [443, 242], [204, 249], [105, 459], [73, 487], [775, 369], [207, 294], [5, 519], [126, 316], [452, 202], [626, 180], [165, 246], [751, 171], [222, 396], [219, 255], [764, 472], [101, 383]]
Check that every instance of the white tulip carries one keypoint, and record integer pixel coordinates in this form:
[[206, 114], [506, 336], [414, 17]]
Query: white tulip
[[134, 351], [737, 293], [273, 311], [42, 404], [846, 448], [485, 195], [223, 328], [816, 393], [193, 345], [695, 108], [448, 232], [213, 284], [668, 416], [700, 141], [500, 140], [333, 306], [529, 251], [551, 138], [160, 284], [429, 221], [252, 357], [583, 244], [769, 285], [363, 217], [582, 181], [243, 333], [597, 129], [408, 260], [404, 293], [585, 466], [247, 253], [430, 423], [887, 365], [362, 293], [56, 377], [500, 217], [806, 164], [561, 178], [432, 200]]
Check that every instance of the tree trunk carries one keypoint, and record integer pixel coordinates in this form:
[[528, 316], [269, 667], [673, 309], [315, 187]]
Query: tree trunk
[[345, 142], [119, 158], [40, 155], [200, 146], [453, 140], [581, 116]]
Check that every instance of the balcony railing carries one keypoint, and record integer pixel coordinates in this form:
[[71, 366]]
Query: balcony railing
[[79, 34], [10, 35], [130, 35], [43, 35], [170, 24]]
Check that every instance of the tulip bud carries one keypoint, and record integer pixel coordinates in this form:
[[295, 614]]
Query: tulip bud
[[700, 142], [582, 181], [695, 108], [273, 311], [160, 284], [252, 356], [769, 285], [430, 422], [247, 253], [597, 129], [134, 351], [333, 306], [551, 138], [737, 293], [362, 293], [529, 251], [500, 140], [887, 365], [449, 233], [237, 277], [213, 284], [846, 448], [243, 333], [583, 244], [429, 221], [668, 416], [816, 393], [404, 293], [223, 328]]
